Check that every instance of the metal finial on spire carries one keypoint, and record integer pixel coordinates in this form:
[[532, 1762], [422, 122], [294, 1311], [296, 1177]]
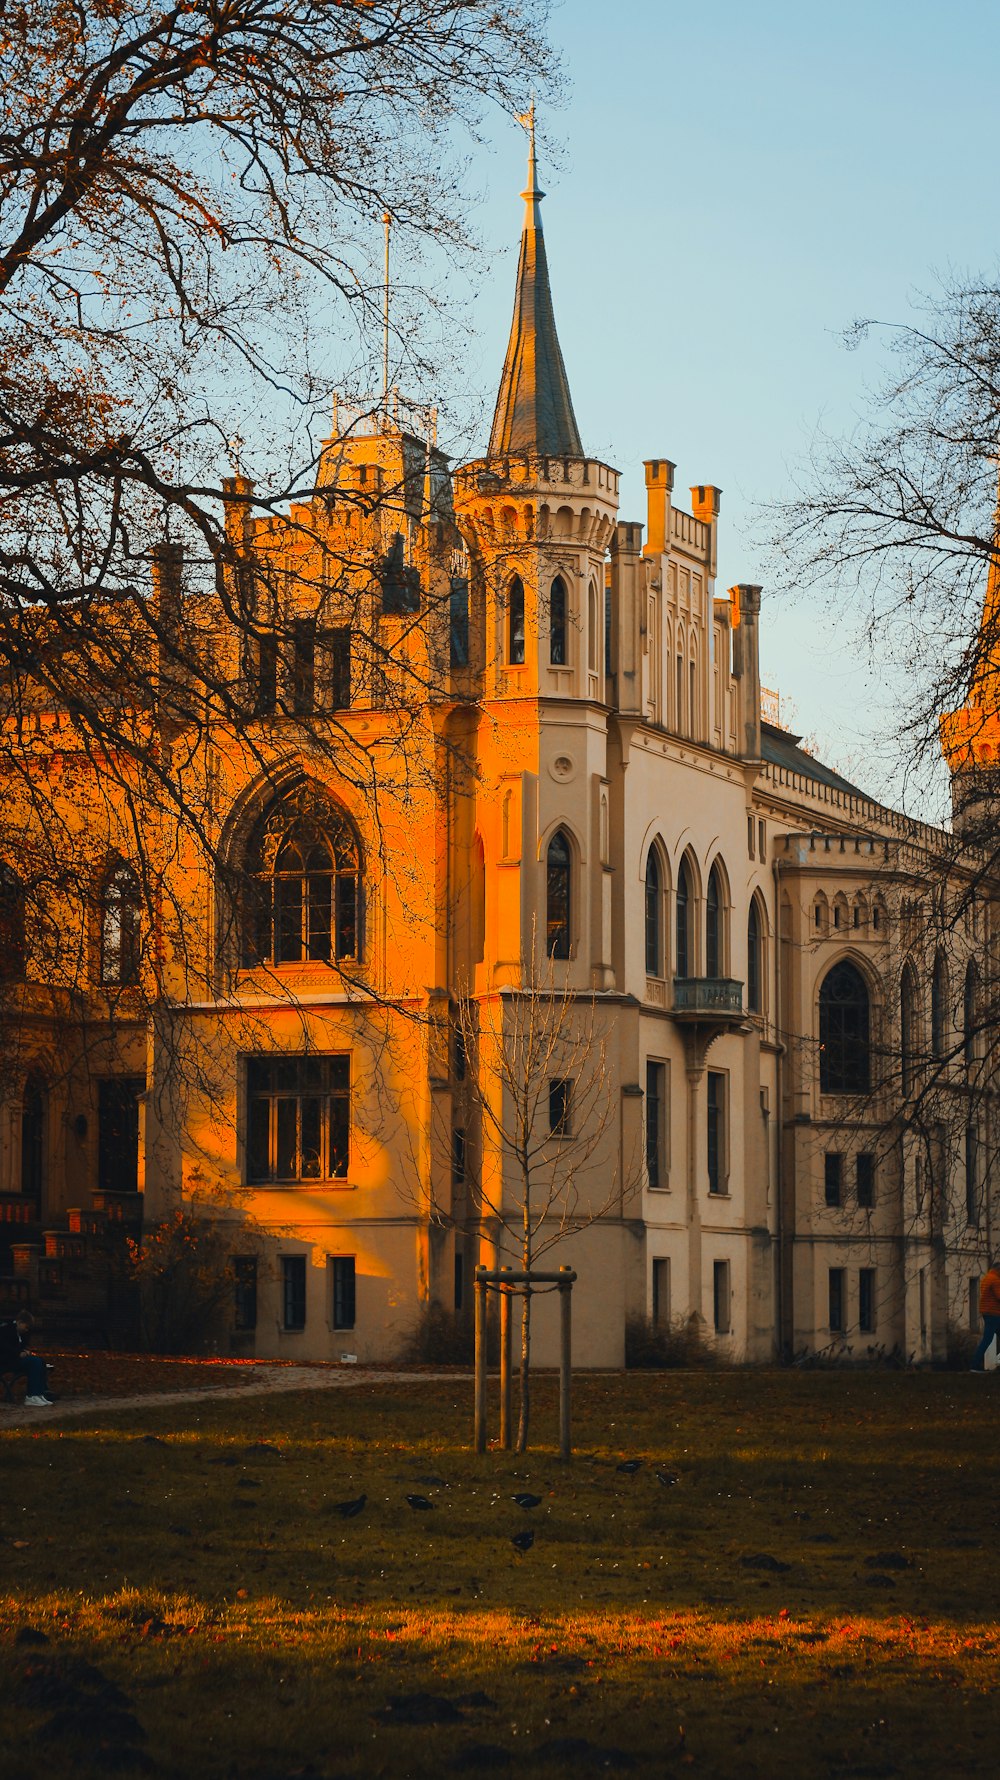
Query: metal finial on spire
[[533, 195], [387, 220]]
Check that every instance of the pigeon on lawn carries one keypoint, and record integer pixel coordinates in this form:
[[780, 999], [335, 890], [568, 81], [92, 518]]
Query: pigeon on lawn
[[668, 1478], [347, 1510], [523, 1541], [419, 1502], [629, 1466], [525, 1499]]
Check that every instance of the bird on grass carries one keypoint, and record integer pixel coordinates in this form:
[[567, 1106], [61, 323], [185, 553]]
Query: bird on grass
[[419, 1502], [525, 1499], [347, 1510], [668, 1478], [523, 1541], [629, 1466]]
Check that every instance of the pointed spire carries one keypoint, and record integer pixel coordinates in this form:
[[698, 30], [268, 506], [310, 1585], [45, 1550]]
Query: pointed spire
[[534, 411]]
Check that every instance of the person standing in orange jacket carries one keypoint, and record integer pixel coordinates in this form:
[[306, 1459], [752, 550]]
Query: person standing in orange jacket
[[989, 1310]]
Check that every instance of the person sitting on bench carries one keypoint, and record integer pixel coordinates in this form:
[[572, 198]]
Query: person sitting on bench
[[16, 1358]]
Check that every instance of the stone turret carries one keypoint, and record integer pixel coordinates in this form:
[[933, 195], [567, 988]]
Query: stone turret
[[538, 514]]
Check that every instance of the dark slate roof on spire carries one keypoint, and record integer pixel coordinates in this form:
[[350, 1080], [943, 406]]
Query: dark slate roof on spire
[[534, 412]]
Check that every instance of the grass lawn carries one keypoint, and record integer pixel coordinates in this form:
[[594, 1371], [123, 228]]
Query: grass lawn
[[815, 1595]]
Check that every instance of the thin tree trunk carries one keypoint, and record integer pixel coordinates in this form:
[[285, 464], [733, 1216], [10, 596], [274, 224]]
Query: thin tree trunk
[[525, 1416]]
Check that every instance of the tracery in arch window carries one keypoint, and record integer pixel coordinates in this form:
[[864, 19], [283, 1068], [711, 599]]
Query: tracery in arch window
[[714, 926], [515, 622], [121, 909], [558, 889], [683, 909], [844, 1031], [303, 894], [558, 617], [654, 915]]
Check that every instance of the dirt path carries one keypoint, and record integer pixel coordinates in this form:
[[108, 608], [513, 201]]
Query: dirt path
[[262, 1380]]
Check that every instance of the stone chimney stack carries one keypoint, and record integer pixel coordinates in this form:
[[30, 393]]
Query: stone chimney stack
[[659, 490], [746, 662]]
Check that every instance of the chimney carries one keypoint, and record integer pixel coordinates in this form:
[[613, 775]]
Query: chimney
[[659, 489], [746, 602]]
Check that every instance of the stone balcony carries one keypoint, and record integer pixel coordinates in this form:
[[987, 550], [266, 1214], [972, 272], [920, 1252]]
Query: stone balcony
[[716, 999]]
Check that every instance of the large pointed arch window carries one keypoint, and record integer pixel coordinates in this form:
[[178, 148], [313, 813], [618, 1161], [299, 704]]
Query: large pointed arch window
[[303, 897], [939, 1005], [11, 926], [558, 621], [683, 910], [558, 891], [715, 916], [907, 1027], [121, 913], [654, 915], [755, 948], [844, 1031], [970, 1011], [515, 622]]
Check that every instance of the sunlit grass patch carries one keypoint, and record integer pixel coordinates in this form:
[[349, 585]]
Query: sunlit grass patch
[[758, 1610]]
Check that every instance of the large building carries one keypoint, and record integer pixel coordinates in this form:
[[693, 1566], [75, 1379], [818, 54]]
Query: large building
[[503, 754]]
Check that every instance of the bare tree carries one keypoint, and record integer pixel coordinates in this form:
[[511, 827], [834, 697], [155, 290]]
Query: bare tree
[[540, 1132]]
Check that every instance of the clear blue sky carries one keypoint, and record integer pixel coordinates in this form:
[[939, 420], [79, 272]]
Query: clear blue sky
[[735, 185]]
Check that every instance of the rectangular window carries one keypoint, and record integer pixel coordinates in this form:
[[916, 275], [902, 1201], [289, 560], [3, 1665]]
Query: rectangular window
[[717, 1169], [459, 620], [266, 677], [459, 1282], [338, 667], [298, 1118], [458, 1158], [657, 1127], [661, 1292], [762, 840], [459, 1058], [750, 835], [343, 1290], [971, 1174], [866, 1300], [864, 1175], [245, 1291], [293, 1291], [833, 1175], [720, 1297], [303, 664], [117, 1136], [560, 1108], [837, 1306]]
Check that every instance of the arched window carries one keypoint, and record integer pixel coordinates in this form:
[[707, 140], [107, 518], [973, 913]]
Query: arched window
[[682, 922], [11, 926], [515, 622], [558, 650], [121, 906], [558, 870], [303, 897], [654, 915], [939, 1005], [970, 1013], [844, 1031], [714, 926], [755, 1004], [907, 1027]]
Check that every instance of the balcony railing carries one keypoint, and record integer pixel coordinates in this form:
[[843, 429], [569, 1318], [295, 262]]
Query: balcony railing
[[708, 995]]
